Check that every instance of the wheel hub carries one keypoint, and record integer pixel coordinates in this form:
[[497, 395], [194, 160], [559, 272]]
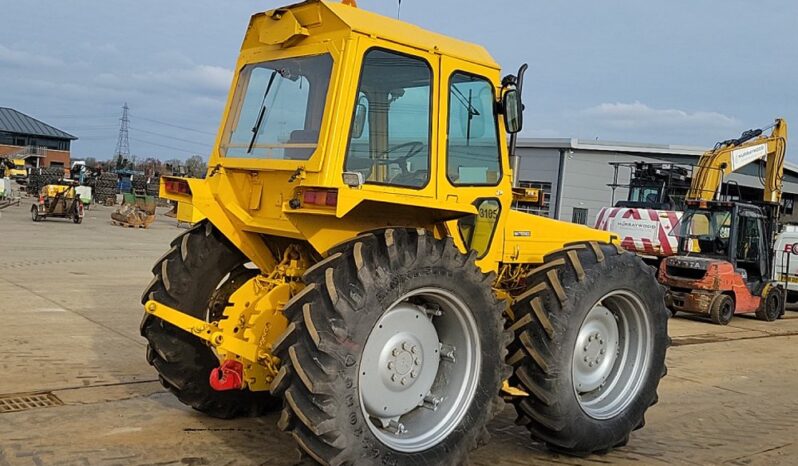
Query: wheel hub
[[596, 349], [400, 362]]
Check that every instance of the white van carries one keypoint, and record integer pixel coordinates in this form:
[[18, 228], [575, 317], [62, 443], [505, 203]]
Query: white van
[[785, 260]]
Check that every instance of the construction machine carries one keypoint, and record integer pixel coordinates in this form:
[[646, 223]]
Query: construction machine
[[725, 258], [647, 221], [360, 268], [644, 221], [57, 201]]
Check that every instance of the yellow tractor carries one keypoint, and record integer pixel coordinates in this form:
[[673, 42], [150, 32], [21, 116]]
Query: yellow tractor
[[360, 267]]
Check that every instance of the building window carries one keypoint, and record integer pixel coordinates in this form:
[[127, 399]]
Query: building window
[[390, 133], [579, 216]]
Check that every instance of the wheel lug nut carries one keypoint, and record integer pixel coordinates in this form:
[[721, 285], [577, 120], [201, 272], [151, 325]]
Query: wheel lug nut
[[404, 381], [390, 364], [414, 349], [395, 352], [585, 348], [586, 359], [602, 351], [413, 375], [417, 361], [601, 342], [393, 378], [405, 346], [590, 364], [590, 338]]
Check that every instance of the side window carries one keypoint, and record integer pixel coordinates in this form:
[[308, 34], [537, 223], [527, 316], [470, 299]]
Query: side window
[[473, 140], [477, 230], [748, 239], [391, 143]]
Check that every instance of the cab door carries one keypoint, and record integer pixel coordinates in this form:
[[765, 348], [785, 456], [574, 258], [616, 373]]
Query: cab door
[[473, 165], [393, 133]]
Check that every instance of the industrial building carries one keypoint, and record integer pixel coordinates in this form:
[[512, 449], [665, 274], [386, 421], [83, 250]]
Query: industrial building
[[575, 174], [25, 137]]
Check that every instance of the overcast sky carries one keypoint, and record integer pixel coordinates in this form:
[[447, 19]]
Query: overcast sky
[[687, 72]]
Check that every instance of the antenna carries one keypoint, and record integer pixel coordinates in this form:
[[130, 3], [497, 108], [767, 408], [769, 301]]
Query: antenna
[[123, 144], [398, 9]]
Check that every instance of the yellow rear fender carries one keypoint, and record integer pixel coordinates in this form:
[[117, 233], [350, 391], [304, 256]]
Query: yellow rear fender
[[201, 197]]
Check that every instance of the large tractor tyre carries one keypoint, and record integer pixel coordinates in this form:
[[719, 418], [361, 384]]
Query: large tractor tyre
[[589, 348], [197, 276], [772, 306], [394, 353], [721, 310]]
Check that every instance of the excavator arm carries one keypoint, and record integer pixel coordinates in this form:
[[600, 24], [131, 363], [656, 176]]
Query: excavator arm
[[729, 156]]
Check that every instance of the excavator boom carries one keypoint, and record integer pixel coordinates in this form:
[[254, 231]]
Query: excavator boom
[[729, 156]]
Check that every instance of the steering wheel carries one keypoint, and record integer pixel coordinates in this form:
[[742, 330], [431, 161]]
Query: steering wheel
[[412, 148]]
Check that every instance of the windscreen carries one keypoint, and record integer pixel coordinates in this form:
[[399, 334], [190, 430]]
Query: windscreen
[[704, 231], [278, 109]]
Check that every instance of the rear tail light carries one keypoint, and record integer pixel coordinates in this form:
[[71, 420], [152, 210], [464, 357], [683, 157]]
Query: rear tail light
[[41, 199], [320, 197], [177, 186]]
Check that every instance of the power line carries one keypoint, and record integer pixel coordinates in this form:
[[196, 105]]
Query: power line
[[80, 117], [175, 126], [167, 136], [141, 141]]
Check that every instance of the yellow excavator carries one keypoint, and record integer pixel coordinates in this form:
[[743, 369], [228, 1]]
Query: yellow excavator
[[731, 155], [360, 266], [646, 223], [724, 264]]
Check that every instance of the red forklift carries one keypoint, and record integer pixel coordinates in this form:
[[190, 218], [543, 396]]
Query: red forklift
[[724, 264]]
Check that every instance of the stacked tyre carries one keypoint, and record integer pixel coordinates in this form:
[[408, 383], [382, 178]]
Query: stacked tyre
[[105, 188], [153, 186], [139, 182], [40, 177]]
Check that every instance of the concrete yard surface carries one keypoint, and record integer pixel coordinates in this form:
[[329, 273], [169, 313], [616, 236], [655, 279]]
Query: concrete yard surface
[[70, 302]]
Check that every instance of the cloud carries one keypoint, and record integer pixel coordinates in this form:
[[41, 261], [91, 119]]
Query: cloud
[[194, 79], [636, 116], [17, 57]]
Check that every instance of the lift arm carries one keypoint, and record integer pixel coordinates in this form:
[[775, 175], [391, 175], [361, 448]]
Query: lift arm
[[729, 156]]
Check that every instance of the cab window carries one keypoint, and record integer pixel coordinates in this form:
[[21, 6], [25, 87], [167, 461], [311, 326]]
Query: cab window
[[389, 141], [278, 109], [473, 140]]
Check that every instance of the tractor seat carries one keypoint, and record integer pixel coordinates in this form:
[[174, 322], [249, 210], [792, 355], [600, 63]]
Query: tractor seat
[[301, 136]]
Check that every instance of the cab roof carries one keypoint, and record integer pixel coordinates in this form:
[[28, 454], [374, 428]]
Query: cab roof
[[372, 24]]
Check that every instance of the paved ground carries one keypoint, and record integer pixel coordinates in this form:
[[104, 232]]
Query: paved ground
[[69, 299]]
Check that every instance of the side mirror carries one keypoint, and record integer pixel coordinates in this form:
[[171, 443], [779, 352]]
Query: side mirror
[[513, 111], [359, 123]]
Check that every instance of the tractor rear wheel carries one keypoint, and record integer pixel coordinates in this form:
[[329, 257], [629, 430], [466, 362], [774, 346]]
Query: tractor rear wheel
[[591, 336], [197, 276], [394, 353]]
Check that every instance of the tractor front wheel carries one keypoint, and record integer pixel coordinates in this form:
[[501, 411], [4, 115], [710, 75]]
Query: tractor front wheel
[[394, 353], [197, 276], [591, 336]]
